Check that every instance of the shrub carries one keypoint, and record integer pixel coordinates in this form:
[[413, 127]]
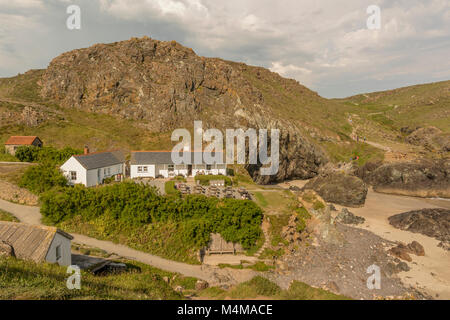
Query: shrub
[[135, 205], [42, 178], [45, 154]]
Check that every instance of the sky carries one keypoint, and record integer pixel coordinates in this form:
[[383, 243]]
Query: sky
[[324, 44]]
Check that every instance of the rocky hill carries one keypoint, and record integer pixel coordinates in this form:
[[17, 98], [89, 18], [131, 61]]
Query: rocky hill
[[132, 94], [164, 86]]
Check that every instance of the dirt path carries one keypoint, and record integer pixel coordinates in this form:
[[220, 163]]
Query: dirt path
[[431, 272], [214, 275]]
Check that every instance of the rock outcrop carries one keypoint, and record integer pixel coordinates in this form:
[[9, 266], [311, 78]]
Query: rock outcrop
[[339, 188], [346, 217], [431, 138], [165, 86], [430, 222], [423, 179], [403, 251]]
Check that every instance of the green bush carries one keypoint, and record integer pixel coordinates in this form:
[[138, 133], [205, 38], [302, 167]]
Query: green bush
[[135, 205], [205, 179], [42, 178], [45, 154]]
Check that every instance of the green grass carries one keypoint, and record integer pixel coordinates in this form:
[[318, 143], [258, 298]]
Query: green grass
[[345, 152], [5, 216], [301, 291], [260, 287], [169, 188], [28, 280], [159, 238], [205, 179], [261, 200], [7, 157], [277, 222]]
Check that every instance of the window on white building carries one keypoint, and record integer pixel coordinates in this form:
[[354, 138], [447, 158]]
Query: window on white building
[[171, 167], [208, 167], [139, 169], [145, 169], [73, 175]]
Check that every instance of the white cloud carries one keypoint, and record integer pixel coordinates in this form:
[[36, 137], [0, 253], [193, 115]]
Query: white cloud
[[5, 4], [324, 44]]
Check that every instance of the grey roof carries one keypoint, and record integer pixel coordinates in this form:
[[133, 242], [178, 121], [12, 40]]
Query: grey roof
[[29, 242], [100, 159], [159, 157]]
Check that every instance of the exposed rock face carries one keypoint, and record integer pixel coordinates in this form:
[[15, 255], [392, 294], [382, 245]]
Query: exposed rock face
[[346, 217], [423, 179], [167, 86], [289, 232], [430, 138], [430, 222], [32, 117], [339, 188]]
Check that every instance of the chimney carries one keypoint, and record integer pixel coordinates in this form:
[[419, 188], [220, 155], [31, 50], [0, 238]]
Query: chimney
[[86, 150]]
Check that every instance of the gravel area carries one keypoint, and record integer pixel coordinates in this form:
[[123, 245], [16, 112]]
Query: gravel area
[[343, 269]]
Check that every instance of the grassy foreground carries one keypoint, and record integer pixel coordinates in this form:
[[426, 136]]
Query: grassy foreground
[[27, 280], [260, 287]]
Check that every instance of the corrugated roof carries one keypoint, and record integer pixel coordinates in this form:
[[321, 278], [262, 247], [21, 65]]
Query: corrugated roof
[[29, 242], [159, 157], [100, 159], [21, 140]]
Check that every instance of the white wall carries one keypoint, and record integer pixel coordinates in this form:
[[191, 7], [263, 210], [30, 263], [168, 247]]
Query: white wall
[[94, 178], [162, 170], [73, 165], [66, 255], [149, 174], [88, 177]]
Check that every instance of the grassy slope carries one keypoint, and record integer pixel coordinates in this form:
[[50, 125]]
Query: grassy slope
[[260, 287], [71, 127], [420, 105], [28, 280], [75, 128], [381, 115]]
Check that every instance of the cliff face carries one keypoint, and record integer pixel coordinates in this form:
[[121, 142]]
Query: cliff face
[[164, 86]]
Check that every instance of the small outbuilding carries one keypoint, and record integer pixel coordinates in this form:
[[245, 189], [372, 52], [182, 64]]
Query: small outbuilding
[[15, 142], [37, 243]]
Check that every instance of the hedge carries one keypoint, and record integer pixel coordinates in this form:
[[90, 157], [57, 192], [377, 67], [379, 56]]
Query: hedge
[[45, 154], [135, 205]]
